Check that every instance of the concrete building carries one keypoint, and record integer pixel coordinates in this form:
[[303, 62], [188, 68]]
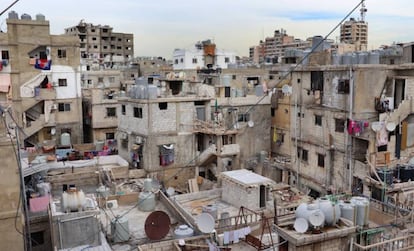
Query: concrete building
[[42, 71], [99, 43], [100, 92], [204, 54], [355, 32]]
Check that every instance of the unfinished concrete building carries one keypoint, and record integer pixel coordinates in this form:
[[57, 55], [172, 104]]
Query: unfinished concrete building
[[100, 44], [44, 76]]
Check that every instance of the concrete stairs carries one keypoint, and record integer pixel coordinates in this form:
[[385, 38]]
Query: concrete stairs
[[404, 109], [206, 155]]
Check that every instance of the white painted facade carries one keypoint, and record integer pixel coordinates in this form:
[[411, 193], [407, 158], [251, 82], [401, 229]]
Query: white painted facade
[[187, 59]]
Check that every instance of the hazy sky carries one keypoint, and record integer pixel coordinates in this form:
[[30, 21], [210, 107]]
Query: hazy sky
[[160, 26]]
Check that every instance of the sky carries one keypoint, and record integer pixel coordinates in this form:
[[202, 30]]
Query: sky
[[160, 26]]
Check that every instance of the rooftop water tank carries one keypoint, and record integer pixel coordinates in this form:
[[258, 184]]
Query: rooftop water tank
[[210, 209], [373, 57], [348, 211], [120, 229], [146, 201], [25, 17], [331, 211], [317, 43], [183, 231], [152, 92], [13, 15], [40, 17], [362, 210]]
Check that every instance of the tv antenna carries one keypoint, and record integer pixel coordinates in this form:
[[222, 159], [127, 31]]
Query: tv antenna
[[363, 10]]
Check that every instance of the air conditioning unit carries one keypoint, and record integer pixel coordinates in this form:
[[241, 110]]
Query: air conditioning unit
[[54, 107], [111, 204], [138, 140], [124, 136]]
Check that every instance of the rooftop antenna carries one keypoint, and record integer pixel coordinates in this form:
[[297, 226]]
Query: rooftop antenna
[[363, 10]]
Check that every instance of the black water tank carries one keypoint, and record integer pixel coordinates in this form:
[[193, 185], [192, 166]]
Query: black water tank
[[386, 176]]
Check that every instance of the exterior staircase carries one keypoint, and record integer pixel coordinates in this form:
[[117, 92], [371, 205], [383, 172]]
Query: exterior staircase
[[405, 108], [207, 155], [38, 124]]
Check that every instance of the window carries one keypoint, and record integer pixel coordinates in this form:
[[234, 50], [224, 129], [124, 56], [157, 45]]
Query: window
[[166, 154], [304, 155], [111, 112], [94, 38], [227, 91], [4, 54], [318, 120], [298, 80], [61, 53], [95, 47], [226, 60], [343, 86], [63, 107], [234, 77], [137, 112], [100, 79], [163, 105], [272, 112], [62, 82], [317, 80], [176, 61], [181, 60], [110, 135], [339, 125], [321, 160], [194, 60], [244, 117], [123, 109]]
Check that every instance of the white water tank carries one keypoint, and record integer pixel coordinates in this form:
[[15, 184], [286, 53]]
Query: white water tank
[[348, 211], [146, 201], [183, 231], [65, 139], [331, 211], [120, 229], [210, 209], [362, 210]]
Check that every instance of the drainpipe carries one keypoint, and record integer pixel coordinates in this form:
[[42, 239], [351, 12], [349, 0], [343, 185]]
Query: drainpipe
[[349, 142]]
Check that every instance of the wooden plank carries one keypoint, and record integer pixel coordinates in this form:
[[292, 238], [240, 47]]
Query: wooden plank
[[193, 185]]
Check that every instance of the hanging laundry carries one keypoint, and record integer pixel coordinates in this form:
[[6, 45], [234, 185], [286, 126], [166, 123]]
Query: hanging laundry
[[382, 136], [43, 64]]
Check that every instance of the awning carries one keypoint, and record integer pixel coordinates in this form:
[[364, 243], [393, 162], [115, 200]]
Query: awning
[[169, 147]]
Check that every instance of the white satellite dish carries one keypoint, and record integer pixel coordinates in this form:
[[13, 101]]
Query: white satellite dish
[[286, 89], [376, 126], [317, 218], [250, 123], [390, 126], [301, 225], [205, 223]]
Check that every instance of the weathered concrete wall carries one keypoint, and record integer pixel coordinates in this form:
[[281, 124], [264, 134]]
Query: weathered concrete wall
[[10, 239]]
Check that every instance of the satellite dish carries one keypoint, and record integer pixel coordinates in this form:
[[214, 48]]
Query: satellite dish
[[286, 89], [236, 126], [390, 126], [53, 131], [376, 126], [301, 225], [250, 123], [157, 225], [316, 218], [205, 223]]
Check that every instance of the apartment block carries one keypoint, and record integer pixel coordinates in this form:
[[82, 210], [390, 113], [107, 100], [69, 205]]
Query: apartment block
[[43, 73], [355, 32], [99, 43]]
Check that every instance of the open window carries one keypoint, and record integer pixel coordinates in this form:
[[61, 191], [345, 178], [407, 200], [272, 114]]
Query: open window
[[167, 154]]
